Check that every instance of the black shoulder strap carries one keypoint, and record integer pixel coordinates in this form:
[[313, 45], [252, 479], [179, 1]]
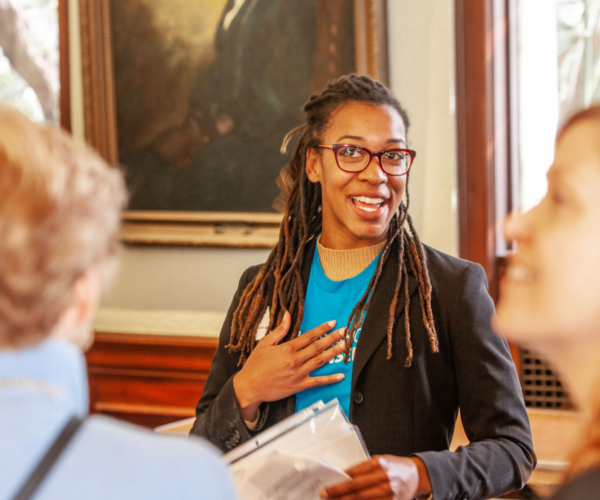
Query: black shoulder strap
[[37, 476]]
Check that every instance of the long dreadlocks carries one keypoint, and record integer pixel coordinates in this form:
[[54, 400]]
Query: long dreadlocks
[[302, 221]]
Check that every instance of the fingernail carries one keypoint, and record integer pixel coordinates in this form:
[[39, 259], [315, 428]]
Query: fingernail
[[340, 376], [331, 323]]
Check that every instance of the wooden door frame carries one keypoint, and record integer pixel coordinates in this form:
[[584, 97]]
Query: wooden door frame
[[486, 131]]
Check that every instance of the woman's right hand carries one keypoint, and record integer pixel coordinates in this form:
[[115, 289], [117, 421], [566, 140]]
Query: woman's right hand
[[274, 371]]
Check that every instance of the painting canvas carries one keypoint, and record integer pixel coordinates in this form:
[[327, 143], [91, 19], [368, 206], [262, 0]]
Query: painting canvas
[[206, 90]]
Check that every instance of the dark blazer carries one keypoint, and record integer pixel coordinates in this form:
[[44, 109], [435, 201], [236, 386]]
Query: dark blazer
[[412, 411]]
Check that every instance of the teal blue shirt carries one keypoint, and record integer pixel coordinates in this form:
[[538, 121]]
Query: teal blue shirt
[[326, 300]]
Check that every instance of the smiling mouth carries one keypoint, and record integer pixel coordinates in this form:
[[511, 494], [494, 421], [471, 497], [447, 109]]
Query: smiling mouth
[[367, 204]]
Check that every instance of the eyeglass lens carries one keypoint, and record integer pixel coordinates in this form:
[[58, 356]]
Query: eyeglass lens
[[353, 159]]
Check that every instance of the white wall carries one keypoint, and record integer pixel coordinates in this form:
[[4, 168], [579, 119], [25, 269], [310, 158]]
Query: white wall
[[422, 64], [421, 37], [193, 279]]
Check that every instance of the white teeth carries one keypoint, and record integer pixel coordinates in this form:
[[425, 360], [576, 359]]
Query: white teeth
[[519, 273], [369, 201]]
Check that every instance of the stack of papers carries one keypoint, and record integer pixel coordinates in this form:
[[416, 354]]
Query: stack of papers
[[296, 458]]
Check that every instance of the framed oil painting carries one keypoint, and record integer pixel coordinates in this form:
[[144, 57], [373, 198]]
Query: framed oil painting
[[192, 99]]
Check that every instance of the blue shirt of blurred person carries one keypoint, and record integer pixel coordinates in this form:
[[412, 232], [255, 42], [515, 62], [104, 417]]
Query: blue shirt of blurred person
[[40, 389]]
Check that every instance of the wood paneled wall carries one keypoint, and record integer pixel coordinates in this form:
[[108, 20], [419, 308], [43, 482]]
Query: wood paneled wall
[[149, 380]]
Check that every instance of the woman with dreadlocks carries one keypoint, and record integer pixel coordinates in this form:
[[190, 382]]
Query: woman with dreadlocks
[[414, 341]]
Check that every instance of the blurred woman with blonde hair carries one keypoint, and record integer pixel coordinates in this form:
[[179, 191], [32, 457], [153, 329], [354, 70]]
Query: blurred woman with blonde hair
[[60, 207], [550, 296]]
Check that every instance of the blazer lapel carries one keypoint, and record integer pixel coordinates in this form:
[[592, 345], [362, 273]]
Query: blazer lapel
[[290, 401], [307, 263], [374, 329]]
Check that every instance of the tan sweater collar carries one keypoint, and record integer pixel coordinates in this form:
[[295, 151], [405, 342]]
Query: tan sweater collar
[[341, 265]]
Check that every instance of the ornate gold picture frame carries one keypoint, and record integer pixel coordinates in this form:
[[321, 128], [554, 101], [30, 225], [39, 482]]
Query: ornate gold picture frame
[[208, 226]]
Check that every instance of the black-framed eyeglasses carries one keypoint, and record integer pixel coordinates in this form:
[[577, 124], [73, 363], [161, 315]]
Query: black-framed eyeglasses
[[350, 158]]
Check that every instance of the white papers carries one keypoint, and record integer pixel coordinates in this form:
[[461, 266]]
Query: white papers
[[299, 456], [288, 477]]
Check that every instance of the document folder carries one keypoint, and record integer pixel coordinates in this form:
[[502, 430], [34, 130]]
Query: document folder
[[297, 457]]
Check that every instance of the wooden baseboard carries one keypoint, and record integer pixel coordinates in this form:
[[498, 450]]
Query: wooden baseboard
[[148, 380]]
